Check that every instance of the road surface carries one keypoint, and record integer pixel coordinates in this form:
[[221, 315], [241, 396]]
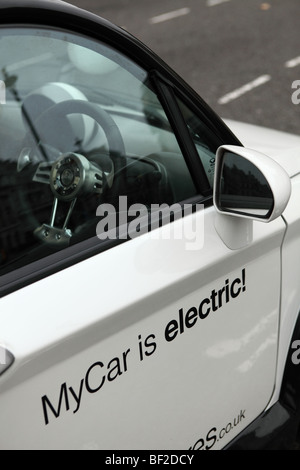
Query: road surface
[[241, 56]]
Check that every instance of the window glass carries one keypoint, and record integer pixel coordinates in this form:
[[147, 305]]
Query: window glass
[[80, 126]]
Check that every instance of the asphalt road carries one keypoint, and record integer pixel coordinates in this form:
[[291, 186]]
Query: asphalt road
[[241, 56]]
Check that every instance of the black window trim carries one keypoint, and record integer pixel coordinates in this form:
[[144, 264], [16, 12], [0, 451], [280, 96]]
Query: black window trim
[[169, 93], [187, 146]]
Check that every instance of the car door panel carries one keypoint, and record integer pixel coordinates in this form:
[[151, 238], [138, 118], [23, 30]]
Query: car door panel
[[171, 360]]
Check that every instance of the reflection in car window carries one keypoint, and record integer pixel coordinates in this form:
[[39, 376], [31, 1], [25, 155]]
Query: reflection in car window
[[80, 126]]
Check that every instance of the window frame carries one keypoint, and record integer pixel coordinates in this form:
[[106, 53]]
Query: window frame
[[166, 84], [169, 94]]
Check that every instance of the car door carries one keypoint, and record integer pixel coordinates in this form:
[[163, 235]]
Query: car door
[[128, 319]]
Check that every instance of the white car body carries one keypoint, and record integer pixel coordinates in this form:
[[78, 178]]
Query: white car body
[[281, 146], [285, 149], [157, 343]]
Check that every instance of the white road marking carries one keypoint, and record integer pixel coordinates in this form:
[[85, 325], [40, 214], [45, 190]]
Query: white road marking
[[244, 89], [29, 62], [212, 3], [293, 63], [169, 16]]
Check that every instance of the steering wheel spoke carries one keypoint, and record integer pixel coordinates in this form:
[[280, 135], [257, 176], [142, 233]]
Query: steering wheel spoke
[[54, 235], [42, 173], [58, 237]]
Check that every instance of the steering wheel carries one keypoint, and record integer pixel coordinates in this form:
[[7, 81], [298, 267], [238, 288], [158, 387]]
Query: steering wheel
[[72, 175]]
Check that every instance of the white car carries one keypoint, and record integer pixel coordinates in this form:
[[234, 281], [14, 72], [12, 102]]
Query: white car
[[149, 263]]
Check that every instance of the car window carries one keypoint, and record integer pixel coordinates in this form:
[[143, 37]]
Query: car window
[[204, 138], [80, 127]]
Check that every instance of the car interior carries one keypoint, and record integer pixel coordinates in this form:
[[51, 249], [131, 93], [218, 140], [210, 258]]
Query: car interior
[[80, 126]]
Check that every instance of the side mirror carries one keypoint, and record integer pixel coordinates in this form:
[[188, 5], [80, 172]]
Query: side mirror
[[249, 184]]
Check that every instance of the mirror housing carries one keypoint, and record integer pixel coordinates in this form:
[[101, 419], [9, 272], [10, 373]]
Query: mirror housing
[[250, 185]]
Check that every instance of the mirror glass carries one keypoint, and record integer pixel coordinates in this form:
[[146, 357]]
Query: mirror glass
[[243, 188]]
